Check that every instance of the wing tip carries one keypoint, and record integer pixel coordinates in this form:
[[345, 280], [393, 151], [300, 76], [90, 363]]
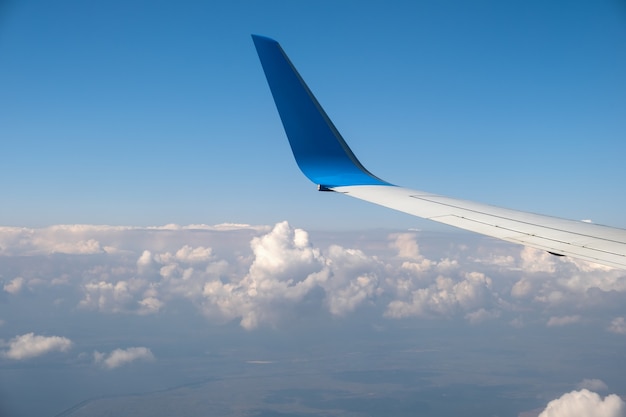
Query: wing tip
[[321, 153], [261, 38]]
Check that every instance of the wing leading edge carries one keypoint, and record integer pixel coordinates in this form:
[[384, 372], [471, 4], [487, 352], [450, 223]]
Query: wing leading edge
[[325, 158]]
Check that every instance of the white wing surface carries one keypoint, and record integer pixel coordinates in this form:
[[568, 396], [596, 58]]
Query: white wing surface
[[325, 158]]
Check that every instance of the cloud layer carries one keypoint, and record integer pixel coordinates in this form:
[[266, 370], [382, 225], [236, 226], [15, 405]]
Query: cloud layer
[[260, 275]]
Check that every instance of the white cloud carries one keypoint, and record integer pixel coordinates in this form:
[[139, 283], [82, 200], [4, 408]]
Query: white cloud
[[522, 288], [186, 255], [535, 260], [284, 269], [30, 345], [150, 305], [120, 357], [600, 278], [592, 385], [81, 247], [193, 255], [585, 403], [563, 321], [481, 315], [407, 246], [352, 279], [14, 286], [145, 260], [618, 325], [346, 298], [445, 296], [106, 296], [564, 282]]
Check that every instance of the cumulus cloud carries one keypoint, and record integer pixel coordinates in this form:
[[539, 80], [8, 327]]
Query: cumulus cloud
[[413, 261], [285, 268], [194, 255], [120, 357], [407, 246], [481, 315], [14, 286], [30, 345], [144, 261], [186, 254], [618, 325], [109, 296], [155, 279], [353, 278], [600, 278], [566, 282], [522, 288], [81, 247], [444, 297], [535, 260], [150, 305], [438, 288], [585, 403]]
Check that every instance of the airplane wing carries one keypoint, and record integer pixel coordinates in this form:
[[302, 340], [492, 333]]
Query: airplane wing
[[325, 158]]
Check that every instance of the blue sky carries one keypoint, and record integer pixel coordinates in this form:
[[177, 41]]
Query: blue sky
[[149, 113]]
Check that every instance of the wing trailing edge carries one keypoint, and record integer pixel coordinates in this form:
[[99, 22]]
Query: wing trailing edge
[[325, 158]]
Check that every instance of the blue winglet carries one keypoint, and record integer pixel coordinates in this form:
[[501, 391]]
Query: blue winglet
[[320, 151]]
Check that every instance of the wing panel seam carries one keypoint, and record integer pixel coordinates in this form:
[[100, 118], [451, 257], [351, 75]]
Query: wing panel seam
[[515, 220], [536, 235]]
